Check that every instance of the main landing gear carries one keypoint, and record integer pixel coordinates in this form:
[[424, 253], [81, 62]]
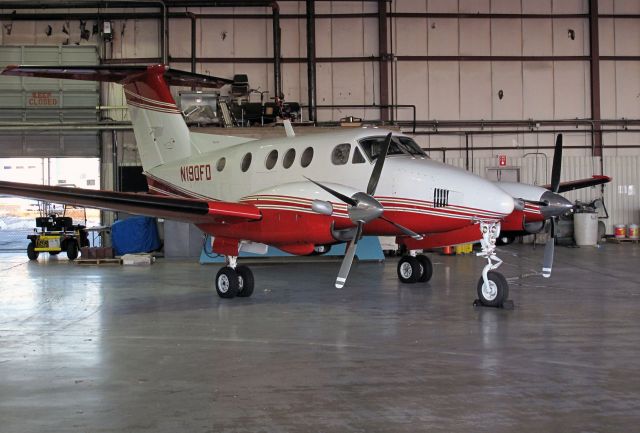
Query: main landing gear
[[415, 268], [234, 280]]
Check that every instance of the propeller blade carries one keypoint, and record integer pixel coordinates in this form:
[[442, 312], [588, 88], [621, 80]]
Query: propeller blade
[[549, 249], [403, 229], [556, 169], [377, 169], [339, 196], [348, 258]]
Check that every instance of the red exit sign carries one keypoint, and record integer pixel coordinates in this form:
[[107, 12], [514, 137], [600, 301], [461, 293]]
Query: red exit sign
[[502, 160]]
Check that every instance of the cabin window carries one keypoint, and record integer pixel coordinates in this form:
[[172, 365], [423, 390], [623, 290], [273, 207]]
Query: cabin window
[[306, 157], [221, 163], [246, 162], [289, 157], [271, 160], [340, 154], [357, 157]]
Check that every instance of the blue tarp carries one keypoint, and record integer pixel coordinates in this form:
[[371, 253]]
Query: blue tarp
[[135, 235]]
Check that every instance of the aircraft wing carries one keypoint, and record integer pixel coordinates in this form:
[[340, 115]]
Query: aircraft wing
[[582, 183], [175, 208]]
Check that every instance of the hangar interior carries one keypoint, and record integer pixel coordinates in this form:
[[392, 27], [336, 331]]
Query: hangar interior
[[483, 85]]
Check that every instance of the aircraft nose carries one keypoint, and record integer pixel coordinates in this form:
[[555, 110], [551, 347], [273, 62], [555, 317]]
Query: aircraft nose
[[505, 204]]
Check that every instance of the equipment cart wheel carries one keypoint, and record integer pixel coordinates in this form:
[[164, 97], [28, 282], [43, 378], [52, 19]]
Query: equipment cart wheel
[[72, 250], [31, 251]]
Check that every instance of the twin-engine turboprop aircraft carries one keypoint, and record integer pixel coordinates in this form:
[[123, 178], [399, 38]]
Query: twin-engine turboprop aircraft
[[299, 194]]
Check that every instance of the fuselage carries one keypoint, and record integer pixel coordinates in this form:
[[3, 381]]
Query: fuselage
[[422, 194]]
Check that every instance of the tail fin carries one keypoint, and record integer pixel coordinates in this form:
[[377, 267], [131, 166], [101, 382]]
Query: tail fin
[[161, 132]]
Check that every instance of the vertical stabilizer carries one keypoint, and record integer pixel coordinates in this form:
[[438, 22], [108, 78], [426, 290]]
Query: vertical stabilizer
[[161, 133]]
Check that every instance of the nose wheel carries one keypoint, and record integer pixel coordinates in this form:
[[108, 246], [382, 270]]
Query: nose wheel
[[234, 280], [492, 288]]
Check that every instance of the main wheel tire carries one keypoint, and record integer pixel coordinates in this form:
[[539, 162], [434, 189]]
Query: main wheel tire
[[408, 269], [31, 251], [245, 281], [426, 268], [496, 293], [227, 283], [72, 250]]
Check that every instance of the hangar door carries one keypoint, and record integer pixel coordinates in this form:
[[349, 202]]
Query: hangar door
[[40, 154], [26, 101]]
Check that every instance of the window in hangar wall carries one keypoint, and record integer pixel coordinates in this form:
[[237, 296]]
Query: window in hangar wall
[[17, 215]]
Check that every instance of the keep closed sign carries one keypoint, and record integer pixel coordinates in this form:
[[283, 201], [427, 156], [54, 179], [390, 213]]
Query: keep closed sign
[[42, 99]]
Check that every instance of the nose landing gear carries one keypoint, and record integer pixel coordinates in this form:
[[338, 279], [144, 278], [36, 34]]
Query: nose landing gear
[[234, 280], [493, 289]]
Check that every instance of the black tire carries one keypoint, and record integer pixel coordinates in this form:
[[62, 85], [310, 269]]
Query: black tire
[[408, 269], [31, 252], [72, 250], [498, 294], [426, 268], [227, 283], [54, 253], [245, 281]]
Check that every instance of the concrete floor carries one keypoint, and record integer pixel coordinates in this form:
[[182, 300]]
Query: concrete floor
[[153, 349]]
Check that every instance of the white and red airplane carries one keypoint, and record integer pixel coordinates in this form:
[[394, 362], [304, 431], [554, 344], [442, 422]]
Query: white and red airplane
[[299, 194]]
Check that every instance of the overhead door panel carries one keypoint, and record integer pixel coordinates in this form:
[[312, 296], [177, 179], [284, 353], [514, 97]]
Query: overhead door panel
[[40, 100]]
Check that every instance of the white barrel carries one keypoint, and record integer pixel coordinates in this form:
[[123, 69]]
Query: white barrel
[[633, 232], [585, 228]]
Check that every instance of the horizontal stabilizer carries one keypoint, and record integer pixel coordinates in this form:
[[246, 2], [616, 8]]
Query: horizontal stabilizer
[[179, 209], [117, 74]]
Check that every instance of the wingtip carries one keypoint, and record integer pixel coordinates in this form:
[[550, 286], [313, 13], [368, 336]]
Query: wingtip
[[7, 69]]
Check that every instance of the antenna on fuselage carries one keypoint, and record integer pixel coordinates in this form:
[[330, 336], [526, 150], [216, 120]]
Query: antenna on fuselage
[[288, 128]]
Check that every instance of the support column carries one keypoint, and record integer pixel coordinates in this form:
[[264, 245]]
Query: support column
[[594, 59], [311, 59], [383, 49], [277, 57]]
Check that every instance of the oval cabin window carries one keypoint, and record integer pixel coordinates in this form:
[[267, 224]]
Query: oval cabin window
[[221, 163], [271, 160], [289, 157], [246, 162], [306, 157]]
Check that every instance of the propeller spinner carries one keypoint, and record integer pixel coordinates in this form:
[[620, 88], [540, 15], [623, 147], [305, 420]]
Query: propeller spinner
[[362, 208]]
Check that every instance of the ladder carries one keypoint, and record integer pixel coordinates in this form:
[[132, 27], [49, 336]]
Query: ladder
[[226, 114]]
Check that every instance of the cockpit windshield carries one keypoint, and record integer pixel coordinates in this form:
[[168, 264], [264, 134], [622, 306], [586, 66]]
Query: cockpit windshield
[[372, 146]]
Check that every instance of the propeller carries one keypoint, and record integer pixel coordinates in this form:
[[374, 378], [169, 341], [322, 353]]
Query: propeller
[[556, 169], [363, 208]]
